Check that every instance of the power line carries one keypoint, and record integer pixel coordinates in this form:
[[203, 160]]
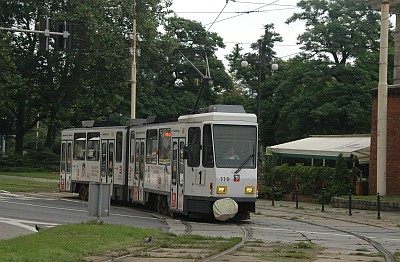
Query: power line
[[235, 12], [227, 1], [248, 12]]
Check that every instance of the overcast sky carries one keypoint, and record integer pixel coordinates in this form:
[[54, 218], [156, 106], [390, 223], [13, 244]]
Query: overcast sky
[[241, 21]]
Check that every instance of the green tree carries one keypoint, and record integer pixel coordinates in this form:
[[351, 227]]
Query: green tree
[[311, 97], [341, 181], [343, 29], [246, 78], [90, 81], [175, 85]]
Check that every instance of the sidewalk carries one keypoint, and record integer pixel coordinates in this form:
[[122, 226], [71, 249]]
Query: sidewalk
[[387, 219]]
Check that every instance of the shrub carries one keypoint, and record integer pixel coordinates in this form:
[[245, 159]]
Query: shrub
[[310, 180], [42, 161], [341, 180]]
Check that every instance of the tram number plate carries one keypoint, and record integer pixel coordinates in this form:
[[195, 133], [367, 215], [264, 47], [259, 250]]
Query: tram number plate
[[225, 179]]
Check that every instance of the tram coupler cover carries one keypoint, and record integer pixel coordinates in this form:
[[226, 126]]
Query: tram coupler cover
[[99, 200], [225, 209]]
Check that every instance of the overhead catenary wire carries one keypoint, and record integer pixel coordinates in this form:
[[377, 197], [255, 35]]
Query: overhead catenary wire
[[244, 13], [227, 1]]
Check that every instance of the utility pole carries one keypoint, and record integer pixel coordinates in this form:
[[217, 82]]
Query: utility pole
[[133, 82], [382, 102]]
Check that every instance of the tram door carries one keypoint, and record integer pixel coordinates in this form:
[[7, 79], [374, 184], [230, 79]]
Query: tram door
[[66, 166], [178, 174], [138, 184], [107, 161]]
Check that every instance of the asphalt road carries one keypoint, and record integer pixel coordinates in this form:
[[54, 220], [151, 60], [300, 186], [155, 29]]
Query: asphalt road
[[20, 213], [333, 229]]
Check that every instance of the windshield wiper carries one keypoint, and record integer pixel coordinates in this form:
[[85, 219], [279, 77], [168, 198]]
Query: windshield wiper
[[244, 163]]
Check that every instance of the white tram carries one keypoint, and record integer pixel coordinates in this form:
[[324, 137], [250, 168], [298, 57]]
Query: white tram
[[174, 167]]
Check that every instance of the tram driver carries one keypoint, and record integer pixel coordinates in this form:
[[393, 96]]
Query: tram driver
[[230, 154]]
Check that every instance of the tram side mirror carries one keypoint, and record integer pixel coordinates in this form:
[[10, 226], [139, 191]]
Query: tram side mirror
[[185, 152]]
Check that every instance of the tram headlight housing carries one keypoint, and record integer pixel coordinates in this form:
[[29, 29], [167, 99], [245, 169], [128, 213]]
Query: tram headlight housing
[[249, 190], [221, 189]]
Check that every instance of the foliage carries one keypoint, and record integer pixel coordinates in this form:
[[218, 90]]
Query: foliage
[[312, 97], [310, 180], [324, 90], [343, 29], [44, 161], [341, 180]]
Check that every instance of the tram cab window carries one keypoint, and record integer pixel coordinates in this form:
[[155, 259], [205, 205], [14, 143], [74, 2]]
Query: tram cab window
[[208, 154], [79, 146], [194, 146], [93, 146], [164, 146], [235, 146], [151, 146]]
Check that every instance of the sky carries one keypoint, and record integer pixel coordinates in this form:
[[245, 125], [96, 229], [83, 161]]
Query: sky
[[235, 24]]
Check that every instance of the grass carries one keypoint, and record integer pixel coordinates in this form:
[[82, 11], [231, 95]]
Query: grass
[[25, 185], [301, 251], [397, 256], [373, 197], [78, 241], [44, 175]]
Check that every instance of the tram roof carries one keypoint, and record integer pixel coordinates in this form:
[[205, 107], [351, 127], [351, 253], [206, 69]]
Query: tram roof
[[219, 116]]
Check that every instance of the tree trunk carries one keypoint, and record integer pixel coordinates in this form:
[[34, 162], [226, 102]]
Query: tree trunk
[[51, 137]]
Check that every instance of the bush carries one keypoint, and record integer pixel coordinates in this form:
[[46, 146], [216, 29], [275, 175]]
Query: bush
[[41, 161], [341, 180], [310, 180]]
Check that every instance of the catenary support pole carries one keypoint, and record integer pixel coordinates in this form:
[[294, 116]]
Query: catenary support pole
[[382, 101], [133, 83]]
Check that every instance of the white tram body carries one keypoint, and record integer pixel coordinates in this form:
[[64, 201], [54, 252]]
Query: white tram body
[[174, 167]]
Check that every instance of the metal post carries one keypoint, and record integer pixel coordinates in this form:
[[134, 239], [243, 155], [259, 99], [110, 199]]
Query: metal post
[[323, 200], [259, 81], [297, 197], [133, 84], [350, 202], [378, 199], [273, 196]]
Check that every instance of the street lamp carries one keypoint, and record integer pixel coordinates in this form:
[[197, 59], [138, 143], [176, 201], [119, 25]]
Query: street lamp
[[274, 67]]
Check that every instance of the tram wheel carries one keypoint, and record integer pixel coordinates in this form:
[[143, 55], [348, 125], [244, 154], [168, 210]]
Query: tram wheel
[[83, 193]]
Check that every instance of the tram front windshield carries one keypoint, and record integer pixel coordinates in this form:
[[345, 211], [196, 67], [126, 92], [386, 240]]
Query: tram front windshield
[[235, 146]]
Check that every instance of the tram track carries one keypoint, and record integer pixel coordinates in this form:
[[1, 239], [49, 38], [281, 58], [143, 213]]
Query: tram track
[[388, 256], [247, 234]]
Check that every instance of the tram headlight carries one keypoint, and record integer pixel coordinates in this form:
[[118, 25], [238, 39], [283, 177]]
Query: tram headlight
[[249, 190], [221, 189]]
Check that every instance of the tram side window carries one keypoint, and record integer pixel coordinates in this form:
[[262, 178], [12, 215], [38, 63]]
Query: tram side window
[[79, 146], [164, 146], [208, 154], [132, 147], [93, 146], [194, 146], [151, 146], [118, 153]]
